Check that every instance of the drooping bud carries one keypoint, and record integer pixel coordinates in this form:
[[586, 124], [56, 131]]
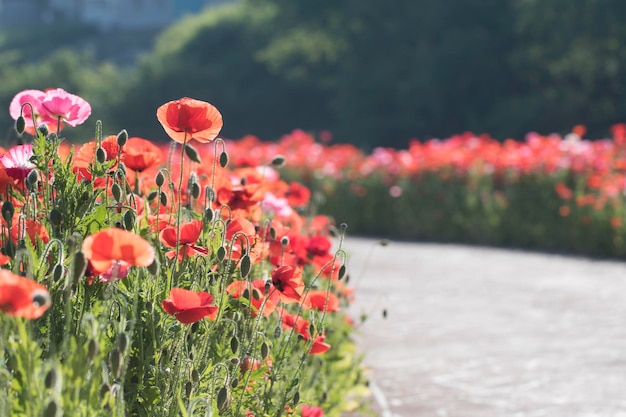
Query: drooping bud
[[52, 409], [79, 265], [195, 190], [129, 220], [8, 210], [163, 198], [122, 342], [245, 266], [101, 155], [55, 216], [222, 399], [116, 190], [20, 125], [223, 159]]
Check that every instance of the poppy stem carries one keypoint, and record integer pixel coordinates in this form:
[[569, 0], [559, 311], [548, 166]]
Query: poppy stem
[[179, 196]]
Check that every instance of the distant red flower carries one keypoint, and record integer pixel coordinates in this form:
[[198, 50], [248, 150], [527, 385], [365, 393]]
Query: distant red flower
[[319, 345], [189, 234], [288, 280], [189, 306], [191, 119], [21, 296], [85, 157], [321, 300], [106, 247], [298, 195], [140, 154], [311, 411], [294, 322], [257, 296]]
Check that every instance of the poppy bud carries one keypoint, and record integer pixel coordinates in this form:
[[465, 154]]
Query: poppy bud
[[159, 180], [343, 227], [20, 125], [195, 190], [79, 265], [122, 137], [195, 376], [116, 190], [52, 409], [92, 349], [245, 266], [277, 332], [267, 287], [55, 216], [101, 155], [129, 220], [296, 398], [115, 360], [53, 137], [43, 130], [265, 350], [208, 214], [210, 193], [104, 390], [222, 399], [153, 268], [223, 159], [272, 233], [152, 195], [50, 380], [57, 272], [234, 361], [221, 253], [234, 344], [342, 272], [234, 382], [7, 212], [122, 342], [192, 154], [284, 241], [163, 198], [278, 161]]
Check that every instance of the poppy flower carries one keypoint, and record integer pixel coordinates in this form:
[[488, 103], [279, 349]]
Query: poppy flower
[[22, 297], [321, 300], [16, 161], [85, 157], [311, 411], [288, 280], [140, 154], [319, 345], [106, 247], [188, 118], [58, 104], [189, 306], [294, 322], [38, 114], [188, 236], [257, 297]]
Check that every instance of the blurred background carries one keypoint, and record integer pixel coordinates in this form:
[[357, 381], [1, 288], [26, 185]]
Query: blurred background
[[372, 72]]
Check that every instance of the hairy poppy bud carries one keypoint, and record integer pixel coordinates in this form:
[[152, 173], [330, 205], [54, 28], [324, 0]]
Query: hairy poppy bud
[[8, 210], [43, 130], [101, 155], [56, 217], [52, 409], [223, 159], [122, 137], [20, 125], [116, 190], [129, 220], [159, 180]]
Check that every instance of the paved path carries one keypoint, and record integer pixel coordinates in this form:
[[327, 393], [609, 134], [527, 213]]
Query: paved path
[[478, 332]]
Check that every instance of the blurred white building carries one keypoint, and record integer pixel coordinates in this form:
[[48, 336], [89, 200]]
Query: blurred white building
[[106, 14]]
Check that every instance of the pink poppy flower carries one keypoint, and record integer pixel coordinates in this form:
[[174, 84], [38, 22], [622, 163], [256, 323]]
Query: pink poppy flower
[[34, 98], [70, 108], [16, 161]]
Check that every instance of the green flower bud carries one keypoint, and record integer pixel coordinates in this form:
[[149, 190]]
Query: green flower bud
[[20, 125], [122, 137], [192, 154]]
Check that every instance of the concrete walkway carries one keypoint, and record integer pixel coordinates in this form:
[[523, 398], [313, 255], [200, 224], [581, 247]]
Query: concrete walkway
[[478, 332]]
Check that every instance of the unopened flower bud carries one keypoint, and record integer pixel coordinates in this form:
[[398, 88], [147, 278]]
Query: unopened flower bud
[[116, 190], [122, 137], [43, 130], [278, 161], [101, 155], [159, 180], [20, 125], [223, 159], [8, 210], [192, 154]]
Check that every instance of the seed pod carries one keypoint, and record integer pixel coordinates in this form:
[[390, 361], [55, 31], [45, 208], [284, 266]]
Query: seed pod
[[192, 154]]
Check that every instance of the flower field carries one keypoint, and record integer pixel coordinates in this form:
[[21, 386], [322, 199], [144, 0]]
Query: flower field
[[561, 194], [145, 280]]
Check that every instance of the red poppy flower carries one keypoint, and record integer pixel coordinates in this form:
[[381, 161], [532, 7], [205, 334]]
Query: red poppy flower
[[294, 322], [257, 297], [85, 157], [191, 119], [319, 345], [108, 246], [288, 280], [310, 411], [189, 234], [140, 154], [21, 296], [189, 306], [321, 300]]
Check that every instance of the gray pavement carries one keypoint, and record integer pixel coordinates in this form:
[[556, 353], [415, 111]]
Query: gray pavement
[[480, 332]]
